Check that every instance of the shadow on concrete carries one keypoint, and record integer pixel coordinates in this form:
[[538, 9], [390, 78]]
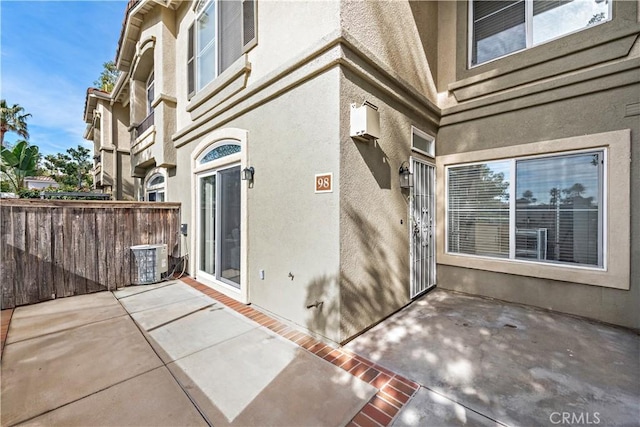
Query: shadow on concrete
[[514, 364]]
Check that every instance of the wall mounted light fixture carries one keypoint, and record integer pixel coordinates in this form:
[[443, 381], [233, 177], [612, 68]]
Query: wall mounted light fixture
[[247, 173], [406, 177]]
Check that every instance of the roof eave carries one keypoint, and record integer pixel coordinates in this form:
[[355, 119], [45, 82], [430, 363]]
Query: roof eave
[[130, 33]]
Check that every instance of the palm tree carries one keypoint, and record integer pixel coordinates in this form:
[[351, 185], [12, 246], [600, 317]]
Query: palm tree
[[12, 119], [19, 162]]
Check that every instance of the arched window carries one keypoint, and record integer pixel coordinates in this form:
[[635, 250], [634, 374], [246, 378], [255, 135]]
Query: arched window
[[219, 152], [155, 188]]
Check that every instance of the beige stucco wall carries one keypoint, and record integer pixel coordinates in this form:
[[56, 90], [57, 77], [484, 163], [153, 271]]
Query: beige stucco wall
[[583, 115], [306, 23], [120, 131], [588, 88], [374, 222], [402, 35], [311, 250], [291, 229], [155, 52], [287, 30], [124, 188]]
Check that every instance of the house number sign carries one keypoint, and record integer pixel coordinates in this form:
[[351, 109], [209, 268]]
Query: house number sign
[[324, 183]]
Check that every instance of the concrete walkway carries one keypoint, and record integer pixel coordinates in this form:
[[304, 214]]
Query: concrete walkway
[[179, 353], [169, 354], [485, 362]]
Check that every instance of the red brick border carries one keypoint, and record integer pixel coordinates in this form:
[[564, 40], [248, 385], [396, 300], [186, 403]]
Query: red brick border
[[5, 319], [394, 391]]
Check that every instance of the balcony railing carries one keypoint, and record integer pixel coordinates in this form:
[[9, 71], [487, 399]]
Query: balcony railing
[[144, 125]]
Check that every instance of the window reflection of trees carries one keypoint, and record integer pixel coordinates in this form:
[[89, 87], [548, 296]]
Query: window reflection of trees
[[566, 227], [558, 215]]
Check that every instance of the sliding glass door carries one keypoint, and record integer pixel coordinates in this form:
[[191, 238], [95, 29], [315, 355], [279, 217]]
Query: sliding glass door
[[219, 221]]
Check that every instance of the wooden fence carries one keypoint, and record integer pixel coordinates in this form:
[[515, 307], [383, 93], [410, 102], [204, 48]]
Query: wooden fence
[[52, 249]]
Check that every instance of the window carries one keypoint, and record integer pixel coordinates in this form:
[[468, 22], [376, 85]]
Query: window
[[155, 188], [499, 28], [150, 94], [219, 152], [221, 31], [422, 142], [547, 209]]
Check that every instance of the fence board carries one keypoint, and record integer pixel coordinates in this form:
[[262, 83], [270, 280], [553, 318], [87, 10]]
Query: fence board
[[119, 247], [106, 251], [90, 225], [126, 252], [61, 248], [43, 253], [7, 274], [19, 255], [79, 278], [57, 232], [31, 292], [69, 257]]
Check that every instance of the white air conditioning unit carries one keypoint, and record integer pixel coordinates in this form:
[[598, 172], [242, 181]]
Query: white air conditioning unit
[[149, 264]]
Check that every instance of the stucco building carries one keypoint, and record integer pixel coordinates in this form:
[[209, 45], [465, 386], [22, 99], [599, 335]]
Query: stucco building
[[107, 122], [336, 159]]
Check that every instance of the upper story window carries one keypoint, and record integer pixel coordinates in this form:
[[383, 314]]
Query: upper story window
[[222, 30], [499, 28], [150, 93]]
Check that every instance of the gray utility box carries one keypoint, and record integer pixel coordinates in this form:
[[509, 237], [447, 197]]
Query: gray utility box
[[149, 264]]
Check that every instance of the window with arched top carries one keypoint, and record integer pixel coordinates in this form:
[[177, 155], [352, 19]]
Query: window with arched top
[[219, 152], [155, 188], [157, 180]]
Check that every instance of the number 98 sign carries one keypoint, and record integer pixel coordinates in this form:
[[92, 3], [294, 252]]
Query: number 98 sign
[[324, 183]]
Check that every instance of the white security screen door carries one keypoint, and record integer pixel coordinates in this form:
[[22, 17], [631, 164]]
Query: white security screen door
[[219, 218], [422, 229]]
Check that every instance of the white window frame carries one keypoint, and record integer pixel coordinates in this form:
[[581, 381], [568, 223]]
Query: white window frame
[[528, 32], [214, 140], [602, 229], [424, 135], [616, 216], [157, 188], [216, 49], [216, 276]]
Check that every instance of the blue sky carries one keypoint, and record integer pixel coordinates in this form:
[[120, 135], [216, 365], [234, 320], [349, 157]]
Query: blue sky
[[51, 52]]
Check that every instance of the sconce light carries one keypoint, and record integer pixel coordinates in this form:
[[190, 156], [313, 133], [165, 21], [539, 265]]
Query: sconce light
[[247, 173], [406, 177]]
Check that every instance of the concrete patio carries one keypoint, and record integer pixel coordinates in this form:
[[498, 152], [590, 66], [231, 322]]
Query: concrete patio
[[485, 362], [179, 353], [164, 355]]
